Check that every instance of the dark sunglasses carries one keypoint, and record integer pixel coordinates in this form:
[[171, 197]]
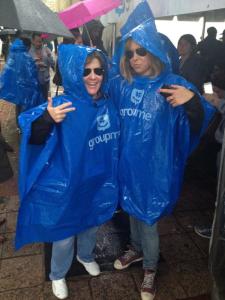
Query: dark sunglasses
[[97, 71], [139, 51]]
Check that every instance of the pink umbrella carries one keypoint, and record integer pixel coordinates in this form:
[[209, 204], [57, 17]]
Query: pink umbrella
[[85, 11]]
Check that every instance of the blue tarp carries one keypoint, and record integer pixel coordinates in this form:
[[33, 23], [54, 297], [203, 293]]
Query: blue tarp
[[69, 184]]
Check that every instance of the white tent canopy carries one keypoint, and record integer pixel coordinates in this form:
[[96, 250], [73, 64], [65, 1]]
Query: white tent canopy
[[162, 8], [167, 8], [186, 10]]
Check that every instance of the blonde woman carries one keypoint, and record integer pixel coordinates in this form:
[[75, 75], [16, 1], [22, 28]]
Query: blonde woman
[[159, 127]]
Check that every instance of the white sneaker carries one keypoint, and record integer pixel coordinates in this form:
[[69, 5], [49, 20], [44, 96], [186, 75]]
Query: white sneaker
[[59, 288], [92, 267]]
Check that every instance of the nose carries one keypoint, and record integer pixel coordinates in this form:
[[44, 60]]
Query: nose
[[92, 75], [135, 56]]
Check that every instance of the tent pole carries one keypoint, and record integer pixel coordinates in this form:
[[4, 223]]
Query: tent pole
[[113, 38], [203, 27]]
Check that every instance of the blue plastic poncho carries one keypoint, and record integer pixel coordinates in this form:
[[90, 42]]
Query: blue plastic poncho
[[69, 184], [19, 78], [155, 137], [140, 14]]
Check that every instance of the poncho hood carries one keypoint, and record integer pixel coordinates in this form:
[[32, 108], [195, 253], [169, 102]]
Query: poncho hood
[[147, 36], [18, 46], [72, 60]]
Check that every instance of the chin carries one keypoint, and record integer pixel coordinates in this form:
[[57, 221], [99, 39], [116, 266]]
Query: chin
[[92, 93]]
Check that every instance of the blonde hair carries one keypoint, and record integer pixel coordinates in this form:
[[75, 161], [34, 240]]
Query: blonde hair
[[127, 71]]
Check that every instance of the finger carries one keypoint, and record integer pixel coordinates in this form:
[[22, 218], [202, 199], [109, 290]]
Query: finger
[[66, 110], [170, 98], [64, 105], [167, 91], [176, 86], [49, 101]]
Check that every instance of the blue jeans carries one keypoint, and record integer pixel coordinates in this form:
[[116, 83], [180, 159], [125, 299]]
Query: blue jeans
[[145, 239], [63, 252]]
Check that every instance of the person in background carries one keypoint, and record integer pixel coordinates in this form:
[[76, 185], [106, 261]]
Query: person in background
[[77, 40], [192, 65], [211, 50], [217, 99], [6, 171], [92, 35], [5, 46], [223, 37], [19, 78], [44, 61], [27, 44]]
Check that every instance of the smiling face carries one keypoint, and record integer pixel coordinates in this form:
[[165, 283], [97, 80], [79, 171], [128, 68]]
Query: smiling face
[[140, 64], [93, 81]]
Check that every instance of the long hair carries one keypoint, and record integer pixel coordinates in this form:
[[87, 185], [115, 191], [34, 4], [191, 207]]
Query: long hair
[[127, 71]]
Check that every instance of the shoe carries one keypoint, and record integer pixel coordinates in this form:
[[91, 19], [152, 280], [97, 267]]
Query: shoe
[[204, 232], [127, 259], [59, 288], [91, 267], [148, 289]]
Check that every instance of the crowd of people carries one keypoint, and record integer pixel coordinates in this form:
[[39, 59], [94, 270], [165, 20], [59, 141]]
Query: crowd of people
[[108, 140]]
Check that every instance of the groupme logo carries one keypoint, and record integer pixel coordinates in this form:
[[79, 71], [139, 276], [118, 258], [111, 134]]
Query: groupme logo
[[103, 122], [136, 96]]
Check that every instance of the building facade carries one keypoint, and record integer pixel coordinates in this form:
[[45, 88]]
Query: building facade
[[58, 5]]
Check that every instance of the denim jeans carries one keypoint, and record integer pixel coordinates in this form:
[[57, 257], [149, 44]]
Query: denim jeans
[[63, 252], [145, 239]]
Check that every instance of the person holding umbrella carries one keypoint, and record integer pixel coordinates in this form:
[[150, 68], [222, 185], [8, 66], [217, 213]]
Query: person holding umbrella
[[44, 61]]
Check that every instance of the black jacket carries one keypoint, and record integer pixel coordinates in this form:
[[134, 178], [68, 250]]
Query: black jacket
[[6, 171], [194, 69]]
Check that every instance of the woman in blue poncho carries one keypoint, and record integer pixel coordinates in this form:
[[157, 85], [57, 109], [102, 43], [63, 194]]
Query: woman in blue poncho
[[19, 78], [158, 131], [68, 167]]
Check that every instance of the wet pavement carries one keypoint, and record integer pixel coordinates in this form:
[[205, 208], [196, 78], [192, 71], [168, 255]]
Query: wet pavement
[[183, 268]]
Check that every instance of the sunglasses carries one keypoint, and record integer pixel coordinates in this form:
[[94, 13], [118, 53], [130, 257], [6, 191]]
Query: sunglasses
[[97, 71], [139, 51]]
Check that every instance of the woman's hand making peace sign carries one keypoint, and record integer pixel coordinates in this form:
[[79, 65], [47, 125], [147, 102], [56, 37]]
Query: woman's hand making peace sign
[[59, 112]]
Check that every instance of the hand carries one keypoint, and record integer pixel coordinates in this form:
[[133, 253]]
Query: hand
[[213, 99], [59, 112], [178, 95]]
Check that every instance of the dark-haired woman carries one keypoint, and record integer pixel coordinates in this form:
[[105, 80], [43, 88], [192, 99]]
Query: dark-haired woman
[[192, 65]]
